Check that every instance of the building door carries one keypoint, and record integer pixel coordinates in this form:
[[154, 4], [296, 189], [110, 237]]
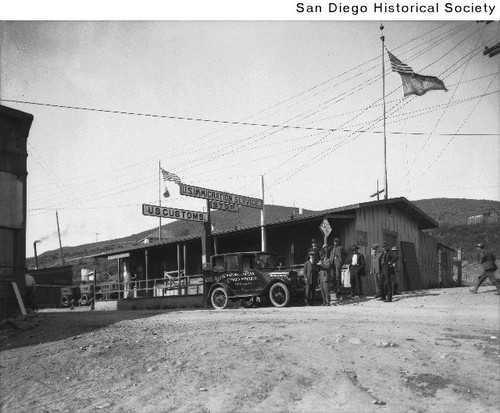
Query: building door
[[411, 278]]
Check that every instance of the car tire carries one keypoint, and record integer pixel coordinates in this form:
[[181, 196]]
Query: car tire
[[84, 299], [65, 301], [279, 294], [219, 298]]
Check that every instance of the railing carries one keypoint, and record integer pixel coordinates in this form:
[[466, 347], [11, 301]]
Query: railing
[[156, 287]]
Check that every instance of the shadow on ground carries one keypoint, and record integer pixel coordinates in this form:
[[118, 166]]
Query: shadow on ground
[[45, 327]]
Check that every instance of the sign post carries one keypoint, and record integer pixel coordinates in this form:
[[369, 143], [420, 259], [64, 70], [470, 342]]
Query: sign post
[[326, 229]]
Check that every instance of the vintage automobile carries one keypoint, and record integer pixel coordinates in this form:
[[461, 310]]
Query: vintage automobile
[[251, 277]]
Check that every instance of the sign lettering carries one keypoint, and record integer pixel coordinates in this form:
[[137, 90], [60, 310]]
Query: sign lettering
[[224, 206], [212, 195], [173, 213]]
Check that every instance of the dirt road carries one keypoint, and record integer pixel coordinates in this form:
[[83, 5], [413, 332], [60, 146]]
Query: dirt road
[[428, 351]]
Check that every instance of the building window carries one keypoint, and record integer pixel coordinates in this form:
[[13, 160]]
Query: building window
[[389, 210]]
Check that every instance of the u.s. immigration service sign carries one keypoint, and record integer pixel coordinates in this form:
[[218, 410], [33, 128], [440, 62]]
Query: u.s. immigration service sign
[[219, 196]]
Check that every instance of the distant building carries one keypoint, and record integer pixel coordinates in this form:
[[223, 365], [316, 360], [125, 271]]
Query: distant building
[[14, 129], [482, 218]]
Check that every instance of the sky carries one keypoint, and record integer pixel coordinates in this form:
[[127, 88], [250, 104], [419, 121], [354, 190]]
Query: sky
[[224, 103]]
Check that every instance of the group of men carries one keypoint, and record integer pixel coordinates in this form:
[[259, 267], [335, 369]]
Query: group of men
[[324, 267]]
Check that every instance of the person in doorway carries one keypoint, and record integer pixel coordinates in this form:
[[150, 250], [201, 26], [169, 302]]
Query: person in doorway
[[338, 256], [487, 260], [357, 270], [311, 278], [375, 269], [324, 266], [29, 291]]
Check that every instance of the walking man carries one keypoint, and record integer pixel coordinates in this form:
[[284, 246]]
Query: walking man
[[338, 256], [311, 278], [356, 270], [487, 259], [375, 266]]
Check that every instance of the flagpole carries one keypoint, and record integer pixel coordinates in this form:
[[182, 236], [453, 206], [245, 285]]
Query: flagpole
[[159, 198], [386, 194]]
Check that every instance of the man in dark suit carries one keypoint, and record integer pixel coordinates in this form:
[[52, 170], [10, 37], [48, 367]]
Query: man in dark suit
[[338, 256], [375, 269], [324, 266], [387, 262], [314, 248], [357, 270], [311, 278]]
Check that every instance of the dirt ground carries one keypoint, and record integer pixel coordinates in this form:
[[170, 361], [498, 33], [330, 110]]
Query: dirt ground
[[428, 351]]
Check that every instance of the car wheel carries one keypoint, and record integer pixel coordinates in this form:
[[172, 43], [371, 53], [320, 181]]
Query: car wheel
[[279, 294], [247, 302], [84, 299], [65, 301], [219, 298]]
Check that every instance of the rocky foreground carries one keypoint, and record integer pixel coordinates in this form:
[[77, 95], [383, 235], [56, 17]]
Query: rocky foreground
[[428, 351]]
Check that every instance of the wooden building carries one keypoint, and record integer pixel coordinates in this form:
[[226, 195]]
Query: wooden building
[[396, 221], [14, 129]]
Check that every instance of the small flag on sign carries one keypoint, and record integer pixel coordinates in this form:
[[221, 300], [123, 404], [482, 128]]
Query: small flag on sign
[[169, 176], [413, 83]]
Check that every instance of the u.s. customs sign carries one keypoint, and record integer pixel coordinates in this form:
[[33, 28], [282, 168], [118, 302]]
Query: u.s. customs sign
[[173, 213], [219, 196]]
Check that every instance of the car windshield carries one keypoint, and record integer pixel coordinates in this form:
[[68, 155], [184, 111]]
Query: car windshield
[[218, 264], [265, 260]]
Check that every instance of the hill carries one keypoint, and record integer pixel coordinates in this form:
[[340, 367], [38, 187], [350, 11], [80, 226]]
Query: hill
[[456, 210]]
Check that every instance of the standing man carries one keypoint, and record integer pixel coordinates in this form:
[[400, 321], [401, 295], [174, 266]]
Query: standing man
[[375, 269], [395, 269], [29, 291], [387, 271], [338, 256], [487, 259], [356, 270], [311, 278], [324, 266], [315, 249]]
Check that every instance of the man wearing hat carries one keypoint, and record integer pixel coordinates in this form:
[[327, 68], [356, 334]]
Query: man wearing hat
[[387, 269], [357, 270], [337, 258], [394, 269], [375, 267], [324, 266], [487, 259], [315, 249], [311, 277]]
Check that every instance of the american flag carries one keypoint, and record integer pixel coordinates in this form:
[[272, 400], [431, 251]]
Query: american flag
[[169, 176], [398, 65]]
